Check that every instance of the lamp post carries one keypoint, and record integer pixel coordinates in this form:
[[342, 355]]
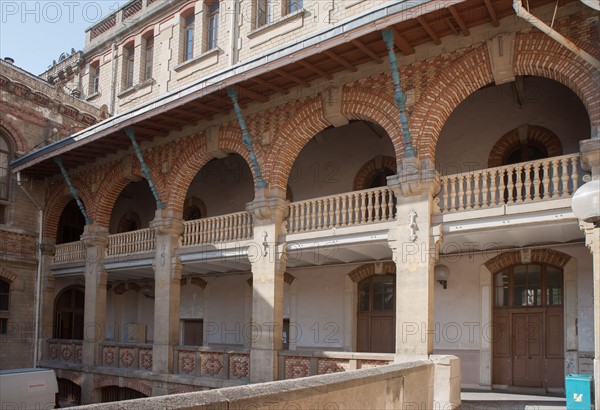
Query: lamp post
[[586, 207]]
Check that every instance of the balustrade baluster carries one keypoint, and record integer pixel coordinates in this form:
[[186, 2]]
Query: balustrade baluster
[[555, 192], [377, 217], [565, 178], [344, 221], [574, 174], [519, 185], [391, 205], [485, 203], [363, 207], [536, 169], [444, 205], [461, 193], [511, 184], [336, 214]]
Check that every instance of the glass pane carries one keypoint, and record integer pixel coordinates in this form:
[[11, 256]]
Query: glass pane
[[553, 296], [553, 275], [363, 296], [4, 301], [378, 293], [388, 299], [502, 289], [520, 275], [79, 299], [520, 296]]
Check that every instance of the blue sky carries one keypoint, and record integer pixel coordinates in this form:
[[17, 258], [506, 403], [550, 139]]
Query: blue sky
[[35, 32]]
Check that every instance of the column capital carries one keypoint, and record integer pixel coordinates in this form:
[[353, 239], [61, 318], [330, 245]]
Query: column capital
[[414, 177], [94, 235], [590, 156], [592, 236], [167, 222], [269, 205]]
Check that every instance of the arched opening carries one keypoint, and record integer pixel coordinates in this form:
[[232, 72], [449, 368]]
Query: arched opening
[[376, 314], [528, 119], [70, 224], [69, 393], [116, 393], [134, 208], [528, 345], [223, 186], [5, 157], [332, 161], [68, 314]]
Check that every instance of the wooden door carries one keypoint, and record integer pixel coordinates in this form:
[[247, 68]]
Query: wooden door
[[527, 352]]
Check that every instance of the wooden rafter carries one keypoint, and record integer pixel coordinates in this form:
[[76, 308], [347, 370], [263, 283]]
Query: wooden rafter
[[291, 77], [492, 12], [246, 92], [459, 20], [367, 51], [267, 84], [149, 131], [340, 60], [402, 43], [429, 30], [450, 25], [315, 69]]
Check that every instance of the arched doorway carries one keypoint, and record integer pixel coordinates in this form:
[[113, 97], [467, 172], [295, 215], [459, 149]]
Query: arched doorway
[[116, 393], [376, 314], [69, 393], [68, 311], [528, 337]]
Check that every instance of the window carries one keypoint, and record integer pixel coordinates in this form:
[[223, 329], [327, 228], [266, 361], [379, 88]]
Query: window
[[293, 5], [3, 326], [4, 174], [128, 63], [528, 286], [193, 332], [212, 25], [68, 323], [4, 295], [376, 314], [264, 12], [148, 57], [188, 38], [95, 78]]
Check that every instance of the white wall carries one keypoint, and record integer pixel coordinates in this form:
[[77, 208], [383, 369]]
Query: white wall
[[225, 319]]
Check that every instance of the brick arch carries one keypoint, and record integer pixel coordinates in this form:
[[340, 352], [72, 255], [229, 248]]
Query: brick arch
[[73, 377], [371, 168], [455, 83], [360, 103], [57, 199], [510, 258], [535, 54], [7, 274], [230, 140], [194, 158], [194, 201], [369, 269], [536, 135], [13, 132]]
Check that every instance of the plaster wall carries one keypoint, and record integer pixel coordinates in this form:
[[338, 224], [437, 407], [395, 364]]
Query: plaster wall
[[192, 302], [133, 307], [225, 319]]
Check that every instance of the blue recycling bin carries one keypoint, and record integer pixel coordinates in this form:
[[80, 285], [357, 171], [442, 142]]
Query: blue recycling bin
[[579, 391]]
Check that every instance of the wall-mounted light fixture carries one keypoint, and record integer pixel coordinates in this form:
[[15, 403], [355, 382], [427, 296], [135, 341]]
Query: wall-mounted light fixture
[[441, 274]]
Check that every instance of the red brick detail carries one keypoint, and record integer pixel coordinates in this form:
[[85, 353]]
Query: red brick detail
[[211, 364], [7, 274], [239, 366], [57, 198], [547, 256], [456, 82], [125, 222], [367, 172], [73, 377], [364, 271], [190, 203], [13, 133], [369, 364], [306, 122], [361, 103], [536, 135], [296, 367], [325, 366]]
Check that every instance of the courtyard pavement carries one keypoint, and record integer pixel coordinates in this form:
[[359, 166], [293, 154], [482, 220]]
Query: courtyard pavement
[[509, 401]]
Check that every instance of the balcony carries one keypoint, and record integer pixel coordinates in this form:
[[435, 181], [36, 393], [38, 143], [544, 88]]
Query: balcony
[[210, 362], [64, 351], [126, 355]]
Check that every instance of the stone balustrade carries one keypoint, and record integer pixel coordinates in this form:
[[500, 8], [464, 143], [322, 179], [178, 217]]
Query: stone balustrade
[[222, 228], [210, 362], [128, 243], [526, 182], [347, 209], [126, 355], [69, 252]]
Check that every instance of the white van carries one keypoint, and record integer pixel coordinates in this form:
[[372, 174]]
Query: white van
[[28, 389]]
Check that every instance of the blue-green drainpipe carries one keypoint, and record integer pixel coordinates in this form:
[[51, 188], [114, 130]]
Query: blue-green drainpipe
[[74, 194]]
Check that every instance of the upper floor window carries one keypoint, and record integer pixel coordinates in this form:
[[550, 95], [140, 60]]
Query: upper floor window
[[4, 295], [95, 78], [129, 62], [148, 57], [212, 25], [264, 12], [293, 5], [4, 174], [188, 37]]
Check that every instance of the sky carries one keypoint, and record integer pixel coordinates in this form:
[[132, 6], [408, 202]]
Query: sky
[[35, 32]]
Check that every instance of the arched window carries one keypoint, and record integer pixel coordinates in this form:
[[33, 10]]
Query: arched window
[[68, 322], [529, 285], [376, 314], [129, 222], [194, 208], [5, 155], [4, 295], [524, 143]]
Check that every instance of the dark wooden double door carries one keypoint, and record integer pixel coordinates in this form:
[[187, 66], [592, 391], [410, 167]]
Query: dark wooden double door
[[528, 347]]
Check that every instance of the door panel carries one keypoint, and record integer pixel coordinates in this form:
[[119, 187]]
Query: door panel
[[527, 349], [382, 339], [501, 338]]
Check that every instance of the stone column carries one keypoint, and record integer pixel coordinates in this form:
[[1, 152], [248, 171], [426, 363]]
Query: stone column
[[413, 250], [168, 228], [590, 160], [94, 314], [268, 259], [46, 323]]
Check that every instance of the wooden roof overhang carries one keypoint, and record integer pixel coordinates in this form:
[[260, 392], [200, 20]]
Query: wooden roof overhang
[[343, 47]]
